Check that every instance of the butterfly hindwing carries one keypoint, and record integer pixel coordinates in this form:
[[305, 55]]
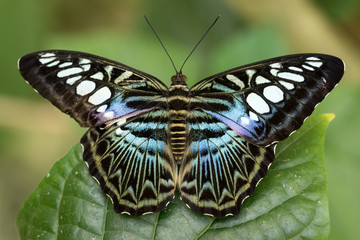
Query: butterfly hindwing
[[220, 168], [91, 89], [132, 163], [266, 101]]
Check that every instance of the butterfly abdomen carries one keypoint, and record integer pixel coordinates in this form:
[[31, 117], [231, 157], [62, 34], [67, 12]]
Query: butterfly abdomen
[[178, 101], [178, 132]]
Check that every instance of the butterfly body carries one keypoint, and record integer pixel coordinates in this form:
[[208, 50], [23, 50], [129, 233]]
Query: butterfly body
[[178, 105], [214, 141]]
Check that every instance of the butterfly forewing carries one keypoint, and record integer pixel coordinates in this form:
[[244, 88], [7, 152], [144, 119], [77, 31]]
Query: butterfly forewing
[[91, 89], [132, 162], [266, 101]]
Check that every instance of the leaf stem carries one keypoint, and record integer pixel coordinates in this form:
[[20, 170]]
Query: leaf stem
[[206, 228], [155, 226]]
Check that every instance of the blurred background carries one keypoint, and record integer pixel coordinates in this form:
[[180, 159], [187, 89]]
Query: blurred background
[[34, 134]]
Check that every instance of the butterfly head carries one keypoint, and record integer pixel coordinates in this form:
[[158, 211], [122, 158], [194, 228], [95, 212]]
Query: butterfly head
[[179, 79]]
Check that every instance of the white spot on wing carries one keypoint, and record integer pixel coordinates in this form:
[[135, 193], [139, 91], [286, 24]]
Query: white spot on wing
[[102, 108], [235, 80], [121, 122], [308, 68], [53, 63], [273, 93], [85, 87], [296, 69], [100, 96], [109, 69], [65, 64], [46, 60], [123, 76], [69, 71], [86, 67], [72, 80], [276, 65], [315, 64], [250, 73], [85, 64], [287, 85], [260, 80], [313, 59], [291, 76], [253, 116], [98, 76], [274, 72], [84, 61], [257, 103], [45, 55]]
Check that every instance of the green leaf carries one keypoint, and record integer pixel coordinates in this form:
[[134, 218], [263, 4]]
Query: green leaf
[[290, 203]]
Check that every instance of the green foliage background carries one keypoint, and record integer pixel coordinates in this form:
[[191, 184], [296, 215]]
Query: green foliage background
[[33, 134]]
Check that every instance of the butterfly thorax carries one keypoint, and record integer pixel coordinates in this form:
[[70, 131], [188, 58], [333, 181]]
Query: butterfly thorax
[[178, 102]]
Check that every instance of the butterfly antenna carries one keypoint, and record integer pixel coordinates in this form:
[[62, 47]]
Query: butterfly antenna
[[161, 43], [217, 18]]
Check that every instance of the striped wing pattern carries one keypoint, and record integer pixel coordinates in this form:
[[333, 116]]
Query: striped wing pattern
[[222, 132], [220, 169], [132, 163]]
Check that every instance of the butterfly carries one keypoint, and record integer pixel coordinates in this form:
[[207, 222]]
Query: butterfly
[[213, 142]]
